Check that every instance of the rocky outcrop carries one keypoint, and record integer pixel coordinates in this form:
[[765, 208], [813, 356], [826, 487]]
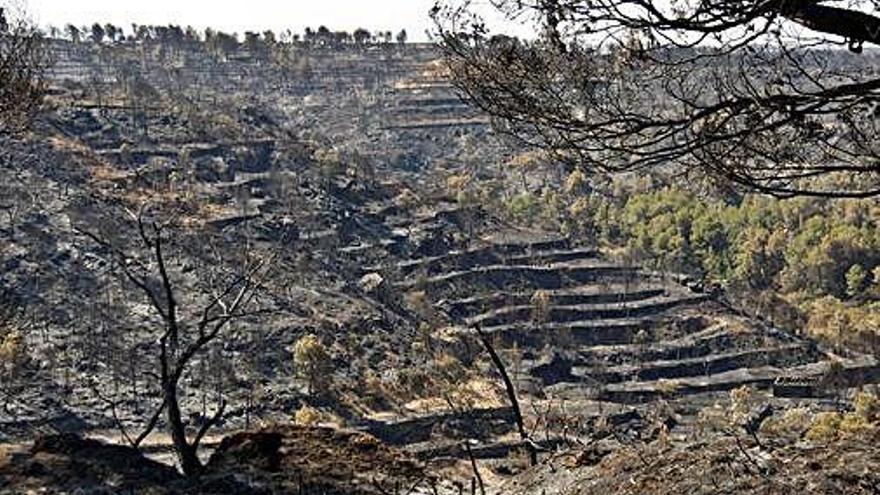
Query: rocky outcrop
[[307, 460], [295, 460], [70, 464]]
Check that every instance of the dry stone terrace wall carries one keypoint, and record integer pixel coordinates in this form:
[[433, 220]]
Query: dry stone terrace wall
[[318, 68], [392, 105], [603, 331], [67, 281], [331, 229]]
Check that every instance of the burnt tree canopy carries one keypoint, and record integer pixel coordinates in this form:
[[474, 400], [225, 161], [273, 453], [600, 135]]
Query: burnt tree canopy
[[22, 63], [777, 96]]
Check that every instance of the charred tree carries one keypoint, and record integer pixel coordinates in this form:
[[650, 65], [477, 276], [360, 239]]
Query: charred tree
[[753, 93]]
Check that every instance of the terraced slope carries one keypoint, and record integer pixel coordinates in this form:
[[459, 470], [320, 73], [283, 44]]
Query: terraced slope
[[600, 336], [584, 336]]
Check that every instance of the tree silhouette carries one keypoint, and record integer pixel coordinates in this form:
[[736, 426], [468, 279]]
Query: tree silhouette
[[361, 36], [187, 323], [752, 92], [98, 33]]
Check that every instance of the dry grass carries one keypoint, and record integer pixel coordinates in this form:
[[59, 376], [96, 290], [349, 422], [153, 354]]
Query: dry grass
[[191, 205]]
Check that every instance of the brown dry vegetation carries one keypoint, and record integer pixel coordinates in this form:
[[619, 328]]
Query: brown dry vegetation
[[289, 459], [721, 465]]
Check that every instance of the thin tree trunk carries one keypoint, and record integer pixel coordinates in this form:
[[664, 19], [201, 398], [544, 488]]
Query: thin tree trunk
[[477, 477], [511, 395], [186, 454]]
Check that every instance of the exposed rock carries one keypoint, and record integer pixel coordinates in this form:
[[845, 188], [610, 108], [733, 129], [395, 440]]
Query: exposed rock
[[297, 460], [371, 283], [317, 460]]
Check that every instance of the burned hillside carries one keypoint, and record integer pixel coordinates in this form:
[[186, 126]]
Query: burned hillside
[[323, 252]]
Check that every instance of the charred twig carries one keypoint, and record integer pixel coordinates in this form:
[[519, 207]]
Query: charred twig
[[477, 474]]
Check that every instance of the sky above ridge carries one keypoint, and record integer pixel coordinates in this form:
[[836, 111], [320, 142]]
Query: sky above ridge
[[251, 15]]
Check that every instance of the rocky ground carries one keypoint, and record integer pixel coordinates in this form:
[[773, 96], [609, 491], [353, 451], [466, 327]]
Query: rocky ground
[[293, 460], [723, 464]]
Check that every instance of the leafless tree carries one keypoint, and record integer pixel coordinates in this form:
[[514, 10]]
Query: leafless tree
[[510, 389], [188, 319], [757, 93], [23, 61]]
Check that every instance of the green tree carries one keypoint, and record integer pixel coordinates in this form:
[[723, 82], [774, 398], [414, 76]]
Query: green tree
[[830, 321], [759, 257], [841, 248], [856, 277], [659, 227], [711, 241], [312, 362], [112, 32], [73, 33]]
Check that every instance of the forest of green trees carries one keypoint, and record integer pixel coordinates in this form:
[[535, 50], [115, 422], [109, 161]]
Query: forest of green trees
[[804, 263]]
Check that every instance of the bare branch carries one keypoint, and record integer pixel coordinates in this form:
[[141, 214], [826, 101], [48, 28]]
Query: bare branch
[[212, 421], [735, 90], [112, 405], [151, 425]]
